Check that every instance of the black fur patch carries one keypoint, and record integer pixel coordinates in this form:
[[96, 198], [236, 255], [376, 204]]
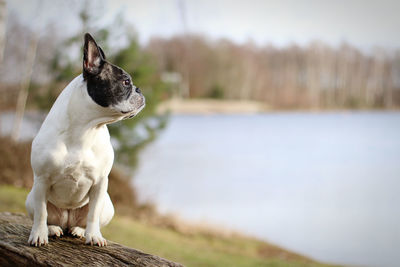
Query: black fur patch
[[107, 87]]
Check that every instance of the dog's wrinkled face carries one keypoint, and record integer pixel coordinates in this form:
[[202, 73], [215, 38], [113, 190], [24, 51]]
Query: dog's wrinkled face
[[108, 85]]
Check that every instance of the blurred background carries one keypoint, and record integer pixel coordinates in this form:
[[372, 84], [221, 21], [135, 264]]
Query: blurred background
[[270, 135]]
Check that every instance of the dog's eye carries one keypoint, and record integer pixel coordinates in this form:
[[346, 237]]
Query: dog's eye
[[126, 82]]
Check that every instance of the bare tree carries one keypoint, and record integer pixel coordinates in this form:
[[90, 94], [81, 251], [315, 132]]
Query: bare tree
[[25, 83], [3, 22]]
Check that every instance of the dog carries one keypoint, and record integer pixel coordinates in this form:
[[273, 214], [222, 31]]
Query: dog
[[72, 154]]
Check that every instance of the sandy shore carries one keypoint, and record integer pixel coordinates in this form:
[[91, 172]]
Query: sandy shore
[[211, 106]]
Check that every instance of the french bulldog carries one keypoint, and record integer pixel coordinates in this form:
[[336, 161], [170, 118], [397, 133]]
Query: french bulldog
[[72, 154]]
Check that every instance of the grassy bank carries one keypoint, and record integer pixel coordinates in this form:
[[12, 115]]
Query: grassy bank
[[193, 249]]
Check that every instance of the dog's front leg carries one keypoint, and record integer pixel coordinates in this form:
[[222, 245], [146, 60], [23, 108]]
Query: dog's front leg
[[39, 232], [97, 196]]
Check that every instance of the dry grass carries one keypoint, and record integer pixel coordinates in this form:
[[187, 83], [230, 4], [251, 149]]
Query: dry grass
[[15, 166], [8, 96]]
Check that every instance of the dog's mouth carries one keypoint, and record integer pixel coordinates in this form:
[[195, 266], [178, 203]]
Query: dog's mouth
[[142, 105], [131, 116], [133, 113]]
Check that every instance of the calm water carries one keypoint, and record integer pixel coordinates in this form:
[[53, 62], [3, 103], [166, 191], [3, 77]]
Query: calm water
[[325, 185]]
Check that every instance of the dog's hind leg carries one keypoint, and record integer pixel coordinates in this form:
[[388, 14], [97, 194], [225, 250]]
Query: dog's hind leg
[[77, 231], [55, 230], [108, 211], [77, 221], [56, 220], [29, 205], [77, 217]]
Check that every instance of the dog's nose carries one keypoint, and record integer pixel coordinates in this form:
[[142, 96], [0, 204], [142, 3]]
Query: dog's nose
[[138, 90]]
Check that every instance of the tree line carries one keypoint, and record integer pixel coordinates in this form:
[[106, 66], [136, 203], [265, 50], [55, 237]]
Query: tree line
[[315, 76]]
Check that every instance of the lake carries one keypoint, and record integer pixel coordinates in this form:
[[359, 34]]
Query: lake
[[326, 185]]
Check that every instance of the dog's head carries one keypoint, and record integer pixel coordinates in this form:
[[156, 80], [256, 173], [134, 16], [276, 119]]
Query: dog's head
[[108, 85]]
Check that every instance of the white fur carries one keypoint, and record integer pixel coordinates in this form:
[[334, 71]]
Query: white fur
[[71, 159]]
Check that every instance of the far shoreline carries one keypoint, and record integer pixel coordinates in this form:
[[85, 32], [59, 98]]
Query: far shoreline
[[207, 106]]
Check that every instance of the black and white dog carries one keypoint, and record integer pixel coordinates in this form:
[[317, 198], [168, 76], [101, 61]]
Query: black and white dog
[[72, 154]]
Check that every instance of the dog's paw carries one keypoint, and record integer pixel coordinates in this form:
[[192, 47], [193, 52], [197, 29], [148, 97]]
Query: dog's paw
[[39, 236], [77, 231], [55, 230], [95, 239]]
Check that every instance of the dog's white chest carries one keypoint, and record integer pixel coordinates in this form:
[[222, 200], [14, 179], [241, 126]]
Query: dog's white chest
[[73, 178]]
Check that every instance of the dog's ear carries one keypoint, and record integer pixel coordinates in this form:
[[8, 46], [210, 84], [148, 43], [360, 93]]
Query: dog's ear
[[93, 56], [102, 53]]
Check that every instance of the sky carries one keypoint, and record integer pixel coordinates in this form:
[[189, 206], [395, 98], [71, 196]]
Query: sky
[[365, 24]]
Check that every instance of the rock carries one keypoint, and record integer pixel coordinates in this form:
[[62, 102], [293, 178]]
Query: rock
[[64, 251]]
